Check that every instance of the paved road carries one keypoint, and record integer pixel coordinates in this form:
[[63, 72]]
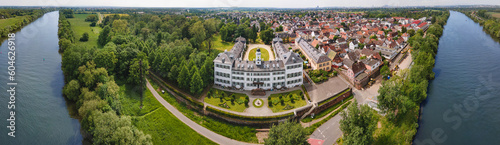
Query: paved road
[[329, 131], [198, 128]]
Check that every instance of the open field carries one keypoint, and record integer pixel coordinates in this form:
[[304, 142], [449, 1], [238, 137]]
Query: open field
[[156, 120], [264, 54], [79, 27], [105, 15], [215, 99], [11, 21], [494, 14], [278, 107], [220, 45]]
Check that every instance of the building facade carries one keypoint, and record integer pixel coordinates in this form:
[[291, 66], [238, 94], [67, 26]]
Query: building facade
[[284, 72], [318, 60]]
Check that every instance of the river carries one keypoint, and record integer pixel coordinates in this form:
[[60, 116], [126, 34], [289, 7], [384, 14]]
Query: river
[[41, 115], [463, 102]]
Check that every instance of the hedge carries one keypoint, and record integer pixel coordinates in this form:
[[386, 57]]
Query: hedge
[[326, 111], [250, 118], [192, 102], [305, 92]]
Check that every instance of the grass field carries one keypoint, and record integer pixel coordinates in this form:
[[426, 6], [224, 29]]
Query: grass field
[[105, 15], [233, 131], [238, 105], [494, 14], [80, 26], [156, 120], [220, 45], [278, 107], [264, 54], [11, 21]]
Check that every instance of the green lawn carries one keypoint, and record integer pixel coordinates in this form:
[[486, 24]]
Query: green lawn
[[215, 99], [11, 21], [156, 120], [80, 26], [264, 54], [233, 131], [220, 45], [278, 107]]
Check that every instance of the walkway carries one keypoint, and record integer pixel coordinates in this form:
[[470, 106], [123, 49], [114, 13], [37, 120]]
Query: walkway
[[219, 139], [252, 46]]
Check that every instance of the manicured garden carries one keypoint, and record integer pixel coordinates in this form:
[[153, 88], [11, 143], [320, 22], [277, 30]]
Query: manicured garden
[[227, 100], [321, 75], [264, 54], [257, 103], [286, 101]]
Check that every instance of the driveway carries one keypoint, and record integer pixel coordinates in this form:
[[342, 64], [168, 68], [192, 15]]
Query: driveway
[[252, 46]]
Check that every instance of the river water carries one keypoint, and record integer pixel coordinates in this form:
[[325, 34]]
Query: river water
[[463, 102], [41, 115]]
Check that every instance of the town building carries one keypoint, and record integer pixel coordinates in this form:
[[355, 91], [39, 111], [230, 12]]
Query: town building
[[317, 59], [230, 70]]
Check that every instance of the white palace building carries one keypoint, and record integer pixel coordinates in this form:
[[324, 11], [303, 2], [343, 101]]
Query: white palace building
[[284, 72]]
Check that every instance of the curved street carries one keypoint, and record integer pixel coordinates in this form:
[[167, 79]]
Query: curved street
[[219, 139]]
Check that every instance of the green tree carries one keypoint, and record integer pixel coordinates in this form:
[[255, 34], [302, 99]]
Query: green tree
[[385, 71], [411, 32], [198, 34], [135, 69], [267, 36], [64, 44], [72, 90], [287, 133], [172, 75], [196, 83], [104, 37], [183, 78], [357, 124], [120, 26], [85, 37], [109, 128], [106, 59]]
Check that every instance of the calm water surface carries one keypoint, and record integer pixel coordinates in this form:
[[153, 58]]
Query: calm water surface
[[41, 112], [463, 102]]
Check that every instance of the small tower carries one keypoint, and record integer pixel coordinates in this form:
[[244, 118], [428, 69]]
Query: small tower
[[258, 59]]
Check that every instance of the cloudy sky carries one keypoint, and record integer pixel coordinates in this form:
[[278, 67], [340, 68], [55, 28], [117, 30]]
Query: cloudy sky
[[246, 3]]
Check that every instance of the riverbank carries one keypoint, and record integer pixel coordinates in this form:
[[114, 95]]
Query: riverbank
[[462, 104], [491, 25], [401, 96]]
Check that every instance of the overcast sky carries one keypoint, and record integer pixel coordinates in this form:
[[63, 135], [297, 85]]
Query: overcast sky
[[246, 3]]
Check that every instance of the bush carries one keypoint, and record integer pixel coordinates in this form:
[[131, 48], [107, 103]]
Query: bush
[[250, 118], [85, 37]]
